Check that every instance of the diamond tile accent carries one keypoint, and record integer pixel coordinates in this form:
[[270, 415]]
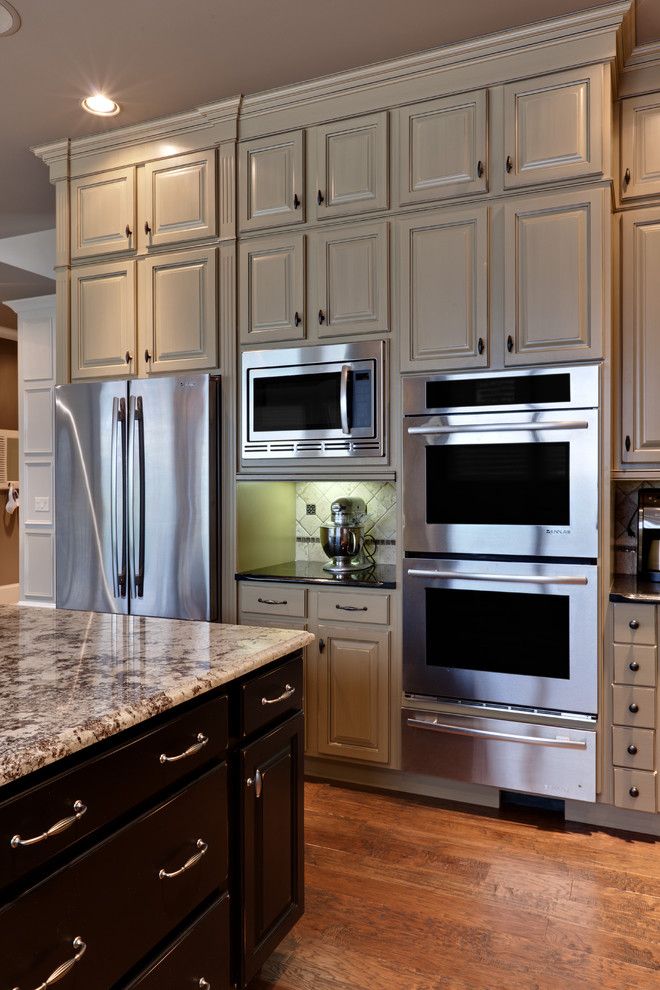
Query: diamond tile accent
[[381, 521]]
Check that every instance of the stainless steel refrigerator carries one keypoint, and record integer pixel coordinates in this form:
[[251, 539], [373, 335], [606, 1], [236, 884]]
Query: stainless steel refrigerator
[[137, 498]]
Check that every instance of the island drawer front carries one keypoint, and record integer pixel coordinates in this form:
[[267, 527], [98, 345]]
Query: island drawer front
[[634, 706], [635, 664], [634, 789], [113, 898], [267, 697], [634, 748], [369, 606], [202, 953], [139, 771], [273, 599], [634, 624]]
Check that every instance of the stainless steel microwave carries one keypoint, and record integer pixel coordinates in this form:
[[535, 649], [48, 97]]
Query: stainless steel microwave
[[314, 401]]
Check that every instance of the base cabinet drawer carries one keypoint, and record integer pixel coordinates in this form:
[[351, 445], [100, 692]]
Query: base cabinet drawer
[[271, 695], [635, 664], [634, 624], [633, 706], [272, 599], [199, 959], [368, 606], [634, 789], [633, 748]]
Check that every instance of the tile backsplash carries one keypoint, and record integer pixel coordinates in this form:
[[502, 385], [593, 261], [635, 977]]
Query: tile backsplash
[[313, 501], [625, 519]]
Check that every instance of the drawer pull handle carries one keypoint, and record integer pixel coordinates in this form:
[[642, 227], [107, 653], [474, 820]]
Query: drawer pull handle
[[632, 749], [202, 740], [634, 792], [271, 601], [633, 707], [64, 823], [256, 782], [352, 608], [633, 665], [287, 693], [192, 861], [634, 624], [66, 967]]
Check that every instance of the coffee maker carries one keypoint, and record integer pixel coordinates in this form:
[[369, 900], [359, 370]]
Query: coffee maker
[[343, 539], [648, 534]]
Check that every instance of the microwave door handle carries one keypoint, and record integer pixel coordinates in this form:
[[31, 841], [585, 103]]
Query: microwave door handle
[[343, 399], [456, 730], [498, 428], [502, 578]]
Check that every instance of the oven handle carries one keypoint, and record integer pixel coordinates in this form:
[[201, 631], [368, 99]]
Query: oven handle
[[457, 730], [343, 399], [503, 578], [571, 424]]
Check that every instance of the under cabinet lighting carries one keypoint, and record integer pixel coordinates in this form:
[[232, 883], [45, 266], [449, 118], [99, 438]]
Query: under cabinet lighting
[[100, 105]]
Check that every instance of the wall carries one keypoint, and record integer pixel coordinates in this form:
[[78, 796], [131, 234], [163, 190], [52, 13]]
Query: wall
[[265, 514], [8, 421], [380, 497]]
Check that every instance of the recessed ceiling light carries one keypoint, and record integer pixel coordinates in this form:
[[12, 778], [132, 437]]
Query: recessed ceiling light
[[9, 19], [99, 104]]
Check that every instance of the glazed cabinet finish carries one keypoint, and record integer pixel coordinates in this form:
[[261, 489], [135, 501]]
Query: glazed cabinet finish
[[351, 166], [271, 288], [103, 213], [443, 289], [271, 188], [179, 199], [103, 320], [553, 127], [441, 148], [640, 147], [640, 337], [554, 277]]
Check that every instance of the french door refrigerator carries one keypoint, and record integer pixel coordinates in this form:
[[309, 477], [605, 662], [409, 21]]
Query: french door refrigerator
[[138, 500]]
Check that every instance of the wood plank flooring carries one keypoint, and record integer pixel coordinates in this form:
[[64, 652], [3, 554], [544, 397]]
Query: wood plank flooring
[[405, 894]]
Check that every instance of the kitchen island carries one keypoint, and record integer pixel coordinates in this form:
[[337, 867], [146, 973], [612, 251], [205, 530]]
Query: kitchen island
[[150, 799]]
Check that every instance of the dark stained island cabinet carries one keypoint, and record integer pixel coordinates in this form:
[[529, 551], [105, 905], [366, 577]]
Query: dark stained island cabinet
[[166, 857]]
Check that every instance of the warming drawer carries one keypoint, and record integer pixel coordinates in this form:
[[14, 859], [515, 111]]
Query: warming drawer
[[516, 756]]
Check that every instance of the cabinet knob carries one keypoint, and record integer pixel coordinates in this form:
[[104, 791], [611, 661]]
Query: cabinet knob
[[626, 177], [296, 201], [633, 665], [147, 356], [480, 169], [633, 707], [297, 319], [509, 163], [628, 443], [128, 357], [321, 316], [509, 343], [321, 645], [634, 792], [480, 345], [320, 198], [204, 984], [632, 749], [147, 228], [256, 782], [128, 231], [634, 623]]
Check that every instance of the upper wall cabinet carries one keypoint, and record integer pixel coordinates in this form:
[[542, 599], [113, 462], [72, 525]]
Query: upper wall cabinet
[[179, 200], [553, 286], [553, 127], [271, 288], [440, 149], [351, 166], [640, 147], [103, 320], [103, 213], [271, 188]]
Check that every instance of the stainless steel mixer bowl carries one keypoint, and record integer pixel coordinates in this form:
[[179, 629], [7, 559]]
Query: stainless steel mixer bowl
[[343, 544]]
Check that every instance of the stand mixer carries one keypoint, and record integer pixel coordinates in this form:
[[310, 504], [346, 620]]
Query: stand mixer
[[343, 540]]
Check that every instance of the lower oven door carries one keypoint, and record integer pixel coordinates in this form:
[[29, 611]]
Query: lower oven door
[[508, 633], [516, 756]]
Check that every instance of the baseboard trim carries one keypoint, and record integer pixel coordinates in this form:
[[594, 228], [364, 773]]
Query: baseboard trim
[[28, 604], [607, 816], [9, 594]]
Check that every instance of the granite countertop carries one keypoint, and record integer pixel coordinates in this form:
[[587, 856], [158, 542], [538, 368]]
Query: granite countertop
[[311, 572], [71, 679], [630, 588]]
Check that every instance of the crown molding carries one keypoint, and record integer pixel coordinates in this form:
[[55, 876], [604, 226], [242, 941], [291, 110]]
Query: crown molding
[[599, 20], [32, 305]]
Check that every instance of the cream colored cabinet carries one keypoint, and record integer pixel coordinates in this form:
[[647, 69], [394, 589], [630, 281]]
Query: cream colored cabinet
[[440, 149], [271, 191], [353, 692], [103, 213], [348, 290], [271, 288], [103, 321], [351, 166], [640, 337], [640, 147], [179, 200], [553, 127], [178, 323], [554, 261], [443, 289]]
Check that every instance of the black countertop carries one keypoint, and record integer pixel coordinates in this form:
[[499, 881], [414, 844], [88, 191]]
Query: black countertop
[[311, 572], [630, 588]]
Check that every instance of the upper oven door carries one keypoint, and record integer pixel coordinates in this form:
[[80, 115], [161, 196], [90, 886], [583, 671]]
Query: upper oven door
[[506, 484]]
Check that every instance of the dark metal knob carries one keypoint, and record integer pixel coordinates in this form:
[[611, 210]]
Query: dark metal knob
[[320, 198], [633, 707], [509, 343], [128, 231], [480, 168], [633, 665], [626, 177], [321, 316], [634, 792], [147, 355], [147, 228], [480, 345], [321, 645], [509, 163], [297, 319], [627, 443], [128, 357], [632, 749], [634, 624], [296, 201]]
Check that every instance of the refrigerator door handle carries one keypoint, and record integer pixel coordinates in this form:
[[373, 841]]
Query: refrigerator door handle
[[137, 533], [118, 433]]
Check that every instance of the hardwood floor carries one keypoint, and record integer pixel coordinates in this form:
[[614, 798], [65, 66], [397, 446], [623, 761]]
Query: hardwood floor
[[403, 894]]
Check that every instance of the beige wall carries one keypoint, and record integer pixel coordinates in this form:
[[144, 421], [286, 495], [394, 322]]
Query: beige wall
[[8, 421]]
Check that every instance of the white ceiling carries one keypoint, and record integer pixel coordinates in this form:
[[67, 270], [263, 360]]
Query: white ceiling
[[158, 57]]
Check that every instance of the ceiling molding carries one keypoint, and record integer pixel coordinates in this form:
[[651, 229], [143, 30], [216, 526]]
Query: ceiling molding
[[6, 333], [36, 303]]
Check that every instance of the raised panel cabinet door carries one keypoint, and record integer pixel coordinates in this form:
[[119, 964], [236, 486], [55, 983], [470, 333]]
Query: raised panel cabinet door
[[271, 288], [349, 279], [179, 199], [272, 859], [640, 394], [443, 289], [640, 146], [353, 693], [351, 164], [441, 148], [271, 191], [103, 320], [554, 277], [103, 213], [553, 127], [178, 310]]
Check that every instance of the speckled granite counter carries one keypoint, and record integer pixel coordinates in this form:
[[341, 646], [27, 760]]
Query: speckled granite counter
[[71, 679], [629, 588]]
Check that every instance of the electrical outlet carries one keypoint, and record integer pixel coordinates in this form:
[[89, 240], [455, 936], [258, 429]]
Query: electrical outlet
[[310, 509], [41, 503]]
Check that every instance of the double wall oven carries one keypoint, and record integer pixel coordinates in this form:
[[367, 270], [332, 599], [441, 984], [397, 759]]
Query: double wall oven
[[500, 578]]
